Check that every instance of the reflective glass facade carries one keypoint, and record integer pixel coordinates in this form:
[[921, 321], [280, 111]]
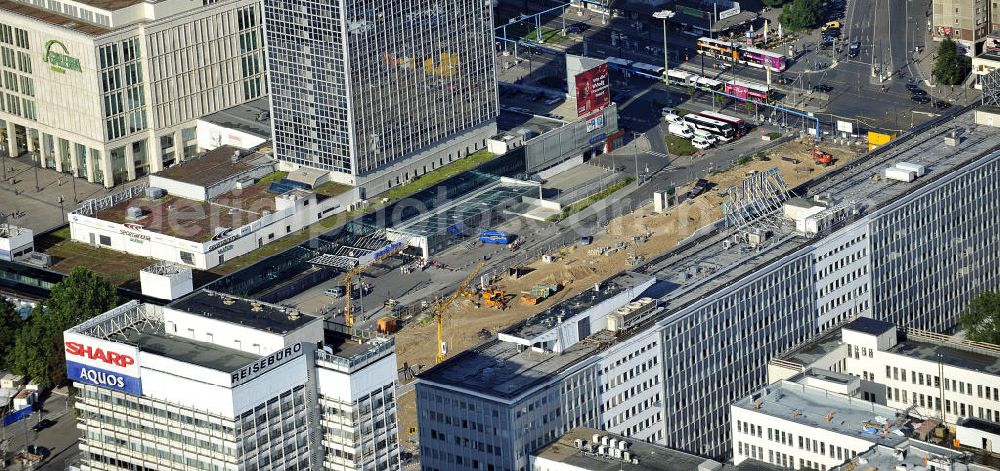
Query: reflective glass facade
[[357, 85]]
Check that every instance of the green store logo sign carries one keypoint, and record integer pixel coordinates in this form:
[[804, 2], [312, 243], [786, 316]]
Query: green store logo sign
[[60, 61]]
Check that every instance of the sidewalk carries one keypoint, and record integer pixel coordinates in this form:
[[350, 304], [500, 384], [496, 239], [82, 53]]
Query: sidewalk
[[924, 64]]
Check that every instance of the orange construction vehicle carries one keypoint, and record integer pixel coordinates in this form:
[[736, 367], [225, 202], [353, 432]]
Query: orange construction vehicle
[[494, 297], [822, 158]]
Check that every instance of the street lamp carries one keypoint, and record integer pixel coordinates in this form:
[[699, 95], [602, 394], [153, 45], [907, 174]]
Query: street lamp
[[665, 15]]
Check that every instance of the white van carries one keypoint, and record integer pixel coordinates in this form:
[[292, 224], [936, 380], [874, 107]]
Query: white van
[[701, 143], [680, 130], [667, 110], [707, 136], [672, 118]]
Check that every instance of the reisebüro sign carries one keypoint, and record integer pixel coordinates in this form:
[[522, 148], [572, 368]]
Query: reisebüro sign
[[264, 364]]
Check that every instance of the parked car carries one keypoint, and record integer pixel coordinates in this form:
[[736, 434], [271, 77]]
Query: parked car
[[942, 105], [673, 119], [703, 134], [831, 25], [922, 99], [336, 291], [701, 143], [681, 130], [822, 88]]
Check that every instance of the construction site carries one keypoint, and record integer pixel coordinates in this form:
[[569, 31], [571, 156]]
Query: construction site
[[476, 311]]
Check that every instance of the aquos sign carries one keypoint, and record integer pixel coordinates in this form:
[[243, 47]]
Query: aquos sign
[[102, 363]]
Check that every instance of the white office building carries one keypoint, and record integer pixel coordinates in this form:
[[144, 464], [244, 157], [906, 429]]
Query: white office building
[[111, 91], [933, 375], [797, 426], [725, 302], [215, 382]]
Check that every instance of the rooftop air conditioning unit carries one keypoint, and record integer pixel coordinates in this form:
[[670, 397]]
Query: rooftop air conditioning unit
[[133, 212], [155, 193]]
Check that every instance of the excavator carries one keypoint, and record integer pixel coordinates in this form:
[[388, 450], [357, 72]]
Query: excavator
[[821, 157], [440, 306]]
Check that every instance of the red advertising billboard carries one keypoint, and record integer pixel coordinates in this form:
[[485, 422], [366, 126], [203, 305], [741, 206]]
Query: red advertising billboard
[[592, 93]]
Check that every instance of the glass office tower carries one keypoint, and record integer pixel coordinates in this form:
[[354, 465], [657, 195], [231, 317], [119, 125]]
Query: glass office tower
[[359, 85]]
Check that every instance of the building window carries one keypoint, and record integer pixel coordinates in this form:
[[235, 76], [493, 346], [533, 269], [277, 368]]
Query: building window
[[187, 257], [105, 240]]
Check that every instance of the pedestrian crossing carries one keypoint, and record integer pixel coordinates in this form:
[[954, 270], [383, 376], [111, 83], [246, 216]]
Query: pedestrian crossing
[[658, 154]]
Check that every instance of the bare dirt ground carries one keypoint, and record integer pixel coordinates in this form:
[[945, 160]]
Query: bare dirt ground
[[577, 267]]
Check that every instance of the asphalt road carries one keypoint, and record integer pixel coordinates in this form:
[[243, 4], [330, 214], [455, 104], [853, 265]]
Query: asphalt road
[[59, 440], [887, 29]]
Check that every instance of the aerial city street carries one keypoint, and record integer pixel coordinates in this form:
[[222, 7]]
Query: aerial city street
[[499, 235]]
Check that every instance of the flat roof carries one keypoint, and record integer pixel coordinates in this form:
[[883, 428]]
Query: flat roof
[[194, 220], [215, 166], [244, 118], [884, 458], [544, 321], [830, 376], [651, 457], [253, 314], [208, 355], [811, 406], [948, 354], [870, 326], [810, 352], [981, 424], [708, 262], [53, 18], [507, 370]]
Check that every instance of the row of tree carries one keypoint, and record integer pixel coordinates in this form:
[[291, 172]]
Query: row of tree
[[34, 347]]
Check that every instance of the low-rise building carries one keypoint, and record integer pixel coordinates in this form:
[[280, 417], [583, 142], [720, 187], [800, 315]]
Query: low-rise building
[[203, 212], [217, 382], [932, 375], [798, 426]]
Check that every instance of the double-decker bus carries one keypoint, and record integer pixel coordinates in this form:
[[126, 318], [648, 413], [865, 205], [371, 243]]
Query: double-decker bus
[[739, 127], [735, 52], [749, 91], [722, 130]]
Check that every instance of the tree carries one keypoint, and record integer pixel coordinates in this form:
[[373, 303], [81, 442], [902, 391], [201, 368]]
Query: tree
[[981, 318], [10, 324], [774, 3], [38, 347], [949, 68], [801, 14]]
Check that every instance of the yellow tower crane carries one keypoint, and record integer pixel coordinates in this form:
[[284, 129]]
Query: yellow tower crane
[[441, 306]]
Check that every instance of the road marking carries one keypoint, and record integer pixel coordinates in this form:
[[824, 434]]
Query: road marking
[[658, 154]]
